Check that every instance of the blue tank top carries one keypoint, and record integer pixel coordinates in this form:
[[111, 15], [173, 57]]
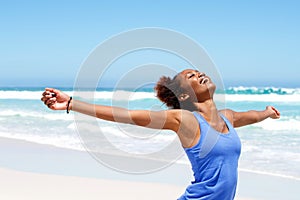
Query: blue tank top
[[214, 162]]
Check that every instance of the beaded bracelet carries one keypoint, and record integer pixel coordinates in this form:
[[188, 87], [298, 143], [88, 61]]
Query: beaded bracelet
[[68, 105]]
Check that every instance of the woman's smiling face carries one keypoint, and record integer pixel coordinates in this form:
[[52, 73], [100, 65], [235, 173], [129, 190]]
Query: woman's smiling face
[[196, 84]]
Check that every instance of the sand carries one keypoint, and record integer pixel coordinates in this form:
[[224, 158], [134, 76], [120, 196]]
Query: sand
[[16, 185], [34, 172]]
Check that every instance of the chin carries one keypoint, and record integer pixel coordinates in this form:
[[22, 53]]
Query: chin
[[212, 88]]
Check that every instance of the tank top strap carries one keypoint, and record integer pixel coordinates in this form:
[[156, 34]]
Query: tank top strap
[[199, 117], [228, 123], [204, 125], [202, 122]]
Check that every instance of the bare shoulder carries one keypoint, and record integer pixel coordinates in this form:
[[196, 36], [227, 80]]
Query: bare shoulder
[[182, 116], [229, 114], [188, 130]]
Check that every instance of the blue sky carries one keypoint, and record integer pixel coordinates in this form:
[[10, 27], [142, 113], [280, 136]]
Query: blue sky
[[253, 43]]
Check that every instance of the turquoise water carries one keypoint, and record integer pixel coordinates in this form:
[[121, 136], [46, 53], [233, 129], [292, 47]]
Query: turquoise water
[[272, 146]]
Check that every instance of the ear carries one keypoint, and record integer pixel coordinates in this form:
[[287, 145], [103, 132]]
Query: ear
[[183, 97]]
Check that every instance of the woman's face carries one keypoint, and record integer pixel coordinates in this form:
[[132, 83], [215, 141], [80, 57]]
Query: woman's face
[[196, 84]]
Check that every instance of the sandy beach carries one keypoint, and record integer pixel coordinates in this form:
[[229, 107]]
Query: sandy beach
[[33, 171], [17, 185]]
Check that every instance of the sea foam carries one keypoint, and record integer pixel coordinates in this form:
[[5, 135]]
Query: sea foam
[[231, 94]]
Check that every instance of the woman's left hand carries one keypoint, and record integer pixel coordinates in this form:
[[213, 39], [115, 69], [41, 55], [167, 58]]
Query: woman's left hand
[[274, 113]]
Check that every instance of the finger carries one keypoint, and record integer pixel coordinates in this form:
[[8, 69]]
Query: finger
[[49, 89], [46, 93], [51, 101], [52, 90], [276, 111], [49, 94], [48, 97], [47, 102], [51, 106], [44, 99]]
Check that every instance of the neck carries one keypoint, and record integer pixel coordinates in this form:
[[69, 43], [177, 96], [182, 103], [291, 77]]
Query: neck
[[208, 110]]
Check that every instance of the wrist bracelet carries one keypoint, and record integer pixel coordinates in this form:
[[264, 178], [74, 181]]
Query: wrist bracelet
[[68, 105]]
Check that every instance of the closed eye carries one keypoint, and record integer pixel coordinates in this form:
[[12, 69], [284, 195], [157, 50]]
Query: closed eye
[[191, 75]]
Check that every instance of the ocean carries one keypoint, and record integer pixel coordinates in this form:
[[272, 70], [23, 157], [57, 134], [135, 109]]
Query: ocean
[[270, 147]]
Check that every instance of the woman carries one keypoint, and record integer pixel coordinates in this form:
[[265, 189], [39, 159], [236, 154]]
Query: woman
[[206, 134]]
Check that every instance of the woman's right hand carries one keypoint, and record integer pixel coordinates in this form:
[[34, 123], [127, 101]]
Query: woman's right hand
[[55, 99]]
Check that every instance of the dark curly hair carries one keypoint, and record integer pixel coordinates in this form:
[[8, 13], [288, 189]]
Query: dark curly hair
[[167, 90]]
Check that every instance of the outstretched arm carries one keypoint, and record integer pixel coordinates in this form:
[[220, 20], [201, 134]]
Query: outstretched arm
[[252, 116], [57, 100]]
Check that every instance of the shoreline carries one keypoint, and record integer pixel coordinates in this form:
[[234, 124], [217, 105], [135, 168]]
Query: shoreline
[[42, 167], [269, 174], [21, 142]]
